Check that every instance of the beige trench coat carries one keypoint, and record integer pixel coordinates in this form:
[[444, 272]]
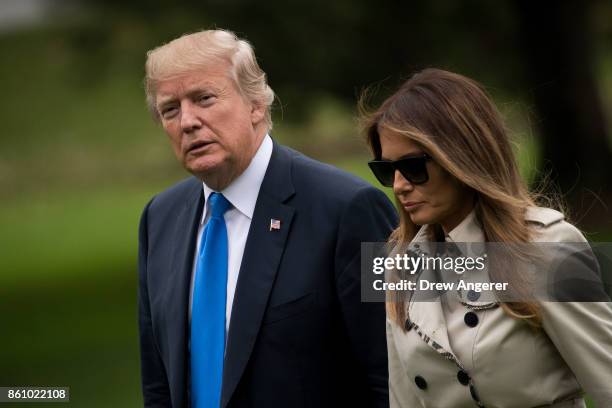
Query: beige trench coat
[[501, 362]]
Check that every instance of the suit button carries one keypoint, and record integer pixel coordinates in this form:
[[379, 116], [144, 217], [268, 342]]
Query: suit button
[[463, 377], [408, 325], [473, 296], [471, 319], [420, 382]]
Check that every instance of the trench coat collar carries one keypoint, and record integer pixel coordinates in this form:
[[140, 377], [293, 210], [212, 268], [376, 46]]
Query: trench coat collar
[[468, 230], [427, 317]]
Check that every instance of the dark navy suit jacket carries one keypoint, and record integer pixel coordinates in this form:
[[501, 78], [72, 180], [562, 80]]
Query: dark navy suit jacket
[[299, 335]]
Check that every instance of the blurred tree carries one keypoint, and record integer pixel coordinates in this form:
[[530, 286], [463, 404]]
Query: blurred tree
[[558, 50], [317, 48]]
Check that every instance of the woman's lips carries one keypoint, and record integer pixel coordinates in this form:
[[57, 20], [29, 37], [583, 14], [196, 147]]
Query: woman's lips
[[410, 205]]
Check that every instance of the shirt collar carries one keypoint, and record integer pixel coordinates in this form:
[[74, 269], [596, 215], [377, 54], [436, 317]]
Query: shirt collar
[[468, 230], [242, 193]]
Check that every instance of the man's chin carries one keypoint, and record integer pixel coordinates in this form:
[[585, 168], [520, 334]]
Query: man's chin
[[204, 165], [204, 170]]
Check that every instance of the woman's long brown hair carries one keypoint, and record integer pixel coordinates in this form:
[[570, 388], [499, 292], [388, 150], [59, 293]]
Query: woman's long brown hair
[[452, 118]]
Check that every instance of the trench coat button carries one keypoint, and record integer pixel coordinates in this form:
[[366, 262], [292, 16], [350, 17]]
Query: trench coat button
[[473, 296], [420, 382], [463, 377], [473, 394], [408, 325], [471, 319]]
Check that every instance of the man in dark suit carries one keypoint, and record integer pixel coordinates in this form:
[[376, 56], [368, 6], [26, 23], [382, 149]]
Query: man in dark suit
[[249, 283]]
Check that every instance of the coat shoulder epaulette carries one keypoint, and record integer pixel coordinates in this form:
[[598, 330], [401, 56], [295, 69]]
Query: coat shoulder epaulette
[[543, 216]]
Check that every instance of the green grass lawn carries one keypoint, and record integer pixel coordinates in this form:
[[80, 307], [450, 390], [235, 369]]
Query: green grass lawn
[[68, 295]]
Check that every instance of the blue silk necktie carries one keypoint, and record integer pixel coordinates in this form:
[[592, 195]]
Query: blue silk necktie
[[208, 309]]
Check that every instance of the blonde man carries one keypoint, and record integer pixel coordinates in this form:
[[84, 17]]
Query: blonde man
[[249, 292]]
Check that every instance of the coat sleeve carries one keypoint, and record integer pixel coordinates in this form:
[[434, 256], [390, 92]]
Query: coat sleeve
[[582, 332], [369, 217], [155, 388]]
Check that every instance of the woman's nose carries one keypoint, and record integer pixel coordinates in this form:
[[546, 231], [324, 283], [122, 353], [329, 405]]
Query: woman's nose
[[400, 184]]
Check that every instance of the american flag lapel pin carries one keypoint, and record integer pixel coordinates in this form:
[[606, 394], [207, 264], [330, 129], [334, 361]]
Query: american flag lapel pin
[[274, 224]]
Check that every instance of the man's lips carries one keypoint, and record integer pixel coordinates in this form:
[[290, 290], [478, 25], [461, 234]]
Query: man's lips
[[194, 147]]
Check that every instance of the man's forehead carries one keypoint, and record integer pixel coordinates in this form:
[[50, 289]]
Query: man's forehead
[[184, 83]]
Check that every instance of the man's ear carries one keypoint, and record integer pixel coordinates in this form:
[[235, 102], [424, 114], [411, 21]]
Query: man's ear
[[258, 111]]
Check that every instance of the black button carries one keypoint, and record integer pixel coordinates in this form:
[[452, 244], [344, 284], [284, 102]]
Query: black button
[[473, 394], [408, 325], [463, 377], [471, 319], [420, 382], [473, 296], [452, 250]]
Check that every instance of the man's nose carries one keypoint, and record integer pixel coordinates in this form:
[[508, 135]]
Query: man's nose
[[400, 184], [189, 117]]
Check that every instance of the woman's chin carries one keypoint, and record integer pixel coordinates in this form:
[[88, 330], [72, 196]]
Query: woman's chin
[[420, 217], [418, 220]]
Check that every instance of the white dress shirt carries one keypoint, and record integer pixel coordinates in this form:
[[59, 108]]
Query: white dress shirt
[[242, 194]]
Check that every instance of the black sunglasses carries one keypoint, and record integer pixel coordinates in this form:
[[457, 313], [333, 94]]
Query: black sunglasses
[[412, 168]]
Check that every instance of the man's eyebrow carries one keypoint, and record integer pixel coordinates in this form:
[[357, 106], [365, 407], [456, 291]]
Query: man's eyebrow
[[165, 100], [200, 90], [205, 87]]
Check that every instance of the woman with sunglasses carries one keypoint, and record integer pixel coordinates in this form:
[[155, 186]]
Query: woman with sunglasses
[[440, 144]]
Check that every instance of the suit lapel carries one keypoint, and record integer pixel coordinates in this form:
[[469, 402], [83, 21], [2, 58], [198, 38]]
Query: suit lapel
[[187, 224], [262, 255]]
